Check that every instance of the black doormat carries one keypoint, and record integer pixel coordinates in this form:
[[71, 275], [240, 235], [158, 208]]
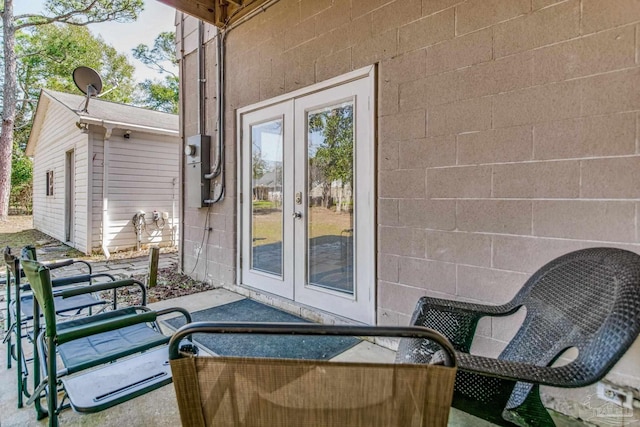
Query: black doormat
[[256, 345]]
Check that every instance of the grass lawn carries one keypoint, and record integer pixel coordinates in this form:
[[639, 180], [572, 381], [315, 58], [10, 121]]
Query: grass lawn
[[267, 223]]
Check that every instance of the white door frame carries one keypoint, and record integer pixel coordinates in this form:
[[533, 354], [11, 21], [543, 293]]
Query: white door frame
[[361, 306]]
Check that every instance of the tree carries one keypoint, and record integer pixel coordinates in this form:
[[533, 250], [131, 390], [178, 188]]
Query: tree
[[162, 57], [331, 133], [21, 180], [159, 94], [74, 12], [46, 56]]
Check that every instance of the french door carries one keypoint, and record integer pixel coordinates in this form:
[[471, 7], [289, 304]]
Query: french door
[[307, 198]]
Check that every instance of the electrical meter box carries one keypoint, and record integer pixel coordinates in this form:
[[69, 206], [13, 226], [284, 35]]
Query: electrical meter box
[[197, 164]]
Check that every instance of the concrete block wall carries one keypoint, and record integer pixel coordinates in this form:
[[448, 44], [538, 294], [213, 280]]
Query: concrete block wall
[[508, 134], [208, 248]]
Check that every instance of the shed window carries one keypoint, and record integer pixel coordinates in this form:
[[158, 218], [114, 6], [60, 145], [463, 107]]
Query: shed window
[[49, 183]]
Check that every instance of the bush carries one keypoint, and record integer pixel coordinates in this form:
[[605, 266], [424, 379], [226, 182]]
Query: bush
[[21, 199]]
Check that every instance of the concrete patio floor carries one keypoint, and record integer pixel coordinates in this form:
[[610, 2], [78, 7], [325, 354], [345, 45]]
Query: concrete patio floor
[[159, 408]]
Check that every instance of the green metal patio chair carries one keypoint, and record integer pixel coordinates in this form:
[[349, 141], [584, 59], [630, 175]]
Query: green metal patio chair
[[20, 308], [106, 358], [588, 300]]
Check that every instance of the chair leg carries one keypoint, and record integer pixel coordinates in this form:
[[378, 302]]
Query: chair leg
[[531, 413], [8, 319], [52, 398], [51, 389], [40, 413], [19, 361], [8, 340], [18, 337]]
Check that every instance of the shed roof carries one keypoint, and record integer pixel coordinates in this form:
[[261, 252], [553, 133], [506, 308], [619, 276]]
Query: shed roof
[[104, 113], [115, 112]]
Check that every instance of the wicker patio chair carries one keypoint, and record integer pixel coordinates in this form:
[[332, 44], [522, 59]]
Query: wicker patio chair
[[588, 299], [275, 392], [106, 359]]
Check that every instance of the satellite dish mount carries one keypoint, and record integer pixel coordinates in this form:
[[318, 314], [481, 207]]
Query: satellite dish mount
[[89, 82]]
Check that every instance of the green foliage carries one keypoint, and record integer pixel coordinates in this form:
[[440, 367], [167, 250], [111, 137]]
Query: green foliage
[[162, 57], [22, 170], [160, 95], [259, 165], [21, 180], [333, 159], [263, 204], [84, 12], [47, 55]]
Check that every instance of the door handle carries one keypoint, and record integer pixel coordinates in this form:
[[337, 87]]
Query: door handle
[[297, 215]]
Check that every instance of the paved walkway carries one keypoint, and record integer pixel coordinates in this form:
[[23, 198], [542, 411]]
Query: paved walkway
[[119, 268], [122, 268], [158, 408]]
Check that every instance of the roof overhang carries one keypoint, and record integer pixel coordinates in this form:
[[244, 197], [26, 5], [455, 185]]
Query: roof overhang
[[109, 124], [220, 13]]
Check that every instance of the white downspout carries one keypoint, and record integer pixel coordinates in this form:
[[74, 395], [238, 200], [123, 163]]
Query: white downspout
[[105, 191]]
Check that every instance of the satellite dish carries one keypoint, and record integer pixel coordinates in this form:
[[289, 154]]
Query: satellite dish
[[88, 81]]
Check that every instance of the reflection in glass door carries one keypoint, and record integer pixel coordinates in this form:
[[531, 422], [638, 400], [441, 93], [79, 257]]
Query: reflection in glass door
[[330, 203], [266, 192]]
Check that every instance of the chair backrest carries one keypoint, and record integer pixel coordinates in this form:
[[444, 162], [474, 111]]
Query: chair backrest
[[588, 299], [12, 276], [40, 281], [235, 391], [28, 252], [279, 392], [11, 264]]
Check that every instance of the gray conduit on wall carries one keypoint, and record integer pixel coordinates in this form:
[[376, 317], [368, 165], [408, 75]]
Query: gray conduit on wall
[[183, 136], [217, 170]]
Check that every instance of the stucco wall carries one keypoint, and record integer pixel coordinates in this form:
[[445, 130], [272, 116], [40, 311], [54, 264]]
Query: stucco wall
[[507, 135]]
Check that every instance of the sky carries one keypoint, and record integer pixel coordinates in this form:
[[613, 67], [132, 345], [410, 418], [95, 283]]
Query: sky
[[155, 19]]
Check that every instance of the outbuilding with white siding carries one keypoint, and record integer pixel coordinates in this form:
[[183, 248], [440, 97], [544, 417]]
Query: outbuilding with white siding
[[105, 179]]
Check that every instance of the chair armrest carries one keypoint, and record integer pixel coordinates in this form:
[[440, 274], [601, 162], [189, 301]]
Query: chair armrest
[[457, 320], [104, 286], [72, 280], [180, 310], [567, 376], [64, 263], [469, 308], [97, 327], [53, 265]]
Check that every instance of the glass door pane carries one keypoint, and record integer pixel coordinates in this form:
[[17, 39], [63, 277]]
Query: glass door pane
[[330, 211], [267, 184]]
